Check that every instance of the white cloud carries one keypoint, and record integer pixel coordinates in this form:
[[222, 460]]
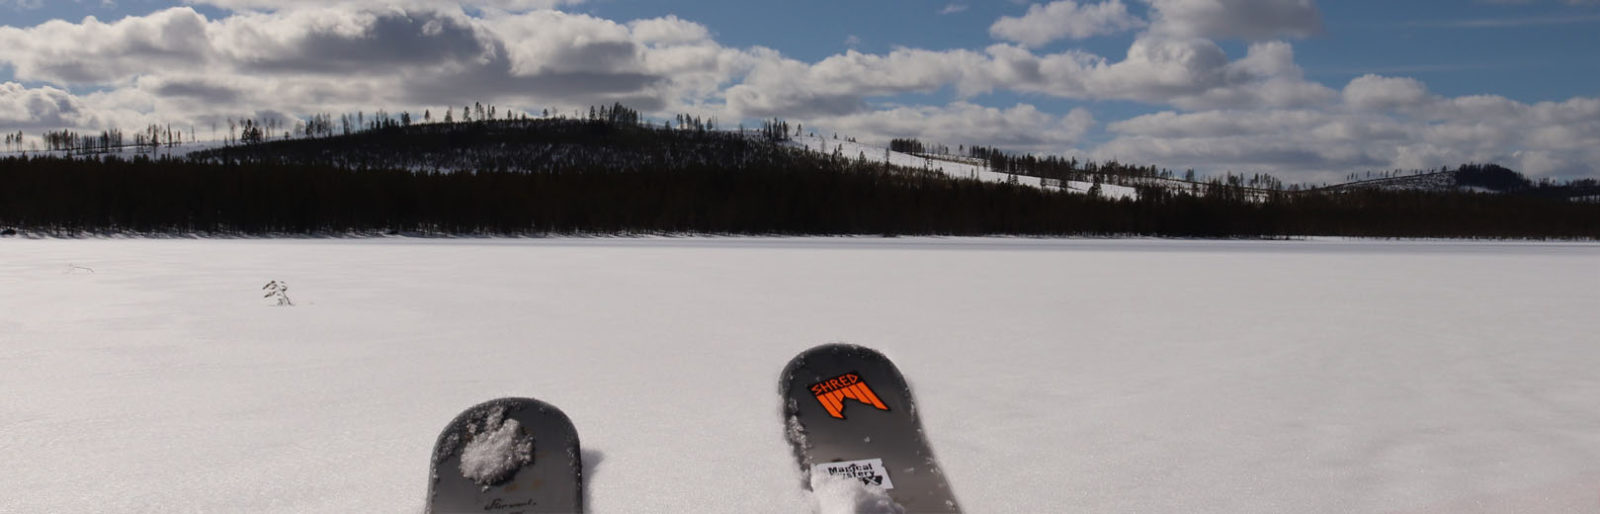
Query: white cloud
[[1381, 124], [1190, 73], [838, 85], [556, 42], [36, 109], [45, 107], [1236, 19], [1159, 67], [1065, 19], [97, 52], [1266, 77], [1376, 93], [670, 30], [343, 57], [1300, 144], [1257, 112], [334, 58], [1021, 127], [953, 8]]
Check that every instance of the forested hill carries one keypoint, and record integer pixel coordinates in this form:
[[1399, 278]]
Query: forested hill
[[608, 175], [1473, 178], [538, 145]]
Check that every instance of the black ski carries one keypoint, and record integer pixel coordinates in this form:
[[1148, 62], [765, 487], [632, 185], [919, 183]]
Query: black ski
[[849, 413], [511, 455]]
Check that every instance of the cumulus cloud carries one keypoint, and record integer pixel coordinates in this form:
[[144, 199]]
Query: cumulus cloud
[[1159, 67], [327, 41], [1267, 77], [670, 30], [36, 109], [1381, 123], [349, 57], [1255, 141], [1065, 19], [839, 84], [1377, 93], [1236, 19], [346, 58], [1255, 112], [45, 107], [201, 89], [98, 52], [1021, 127], [1190, 73]]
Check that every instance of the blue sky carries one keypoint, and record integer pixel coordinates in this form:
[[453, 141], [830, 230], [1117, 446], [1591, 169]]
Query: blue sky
[[1532, 51], [1293, 87]]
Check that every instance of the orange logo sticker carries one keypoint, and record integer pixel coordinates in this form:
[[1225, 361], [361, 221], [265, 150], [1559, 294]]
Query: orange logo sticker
[[832, 392]]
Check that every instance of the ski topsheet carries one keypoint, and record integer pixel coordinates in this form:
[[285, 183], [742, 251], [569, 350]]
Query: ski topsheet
[[849, 414], [511, 455]]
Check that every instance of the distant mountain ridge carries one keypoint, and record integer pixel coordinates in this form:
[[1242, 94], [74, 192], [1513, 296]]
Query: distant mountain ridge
[[1476, 178]]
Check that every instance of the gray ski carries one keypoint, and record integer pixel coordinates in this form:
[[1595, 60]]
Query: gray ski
[[511, 455], [849, 413]]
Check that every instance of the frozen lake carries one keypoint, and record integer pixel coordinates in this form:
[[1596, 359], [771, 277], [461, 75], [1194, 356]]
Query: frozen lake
[[1053, 375]]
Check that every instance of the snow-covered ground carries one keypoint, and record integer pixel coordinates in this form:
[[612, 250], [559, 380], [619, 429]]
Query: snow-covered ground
[[851, 150], [1054, 376]]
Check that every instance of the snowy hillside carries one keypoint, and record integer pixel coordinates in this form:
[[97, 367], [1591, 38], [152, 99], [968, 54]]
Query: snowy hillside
[[948, 166], [1440, 181], [1054, 376]]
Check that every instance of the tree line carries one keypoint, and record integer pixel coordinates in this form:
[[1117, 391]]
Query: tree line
[[616, 175]]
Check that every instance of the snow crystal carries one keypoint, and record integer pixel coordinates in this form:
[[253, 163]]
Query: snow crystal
[[836, 495], [796, 433], [445, 448], [496, 451]]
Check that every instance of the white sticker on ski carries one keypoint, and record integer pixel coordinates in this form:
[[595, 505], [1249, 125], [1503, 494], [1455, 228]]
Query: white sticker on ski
[[868, 471]]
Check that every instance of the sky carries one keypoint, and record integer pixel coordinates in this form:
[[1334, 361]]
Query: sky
[[1304, 90]]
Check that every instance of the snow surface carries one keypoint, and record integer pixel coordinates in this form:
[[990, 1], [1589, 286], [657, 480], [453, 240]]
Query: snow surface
[[836, 495], [851, 150], [496, 450], [1052, 375]]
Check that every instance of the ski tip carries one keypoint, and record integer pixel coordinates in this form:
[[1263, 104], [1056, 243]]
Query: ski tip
[[840, 350], [507, 452], [452, 437], [830, 368], [507, 405], [839, 347], [834, 351]]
